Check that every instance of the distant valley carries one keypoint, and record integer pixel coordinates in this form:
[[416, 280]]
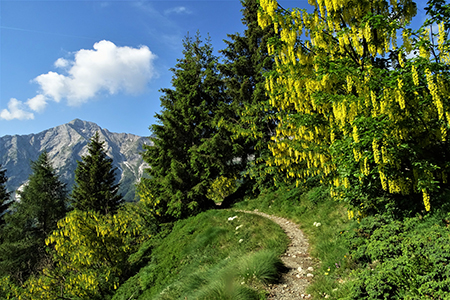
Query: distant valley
[[66, 144]]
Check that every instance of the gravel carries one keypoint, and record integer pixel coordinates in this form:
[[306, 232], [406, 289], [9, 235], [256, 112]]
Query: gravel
[[292, 284]]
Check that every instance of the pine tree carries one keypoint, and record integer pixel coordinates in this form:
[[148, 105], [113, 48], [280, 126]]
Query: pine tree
[[95, 181], [246, 61], [190, 151], [42, 203], [4, 195]]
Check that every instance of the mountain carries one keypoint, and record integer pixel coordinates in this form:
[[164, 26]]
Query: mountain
[[66, 145]]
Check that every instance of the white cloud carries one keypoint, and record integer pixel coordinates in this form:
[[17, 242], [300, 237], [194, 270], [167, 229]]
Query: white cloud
[[15, 111], [53, 85], [177, 10], [106, 68], [37, 103], [61, 63]]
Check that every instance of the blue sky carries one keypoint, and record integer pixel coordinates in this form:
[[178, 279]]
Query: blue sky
[[100, 61]]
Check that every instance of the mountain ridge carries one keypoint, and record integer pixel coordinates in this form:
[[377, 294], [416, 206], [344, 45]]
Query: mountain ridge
[[66, 144]]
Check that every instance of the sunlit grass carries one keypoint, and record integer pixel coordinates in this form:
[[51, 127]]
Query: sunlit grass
[[309, 209], [211, 257]]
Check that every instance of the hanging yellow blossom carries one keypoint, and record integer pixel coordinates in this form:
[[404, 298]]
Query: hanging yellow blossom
[[426, 200]]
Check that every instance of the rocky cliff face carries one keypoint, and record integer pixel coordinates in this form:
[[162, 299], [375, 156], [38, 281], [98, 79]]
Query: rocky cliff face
[[66, 144]]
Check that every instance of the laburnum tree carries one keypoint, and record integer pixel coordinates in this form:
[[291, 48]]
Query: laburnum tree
[[4, 196], [96, 188], [246, 60], [362, 113], [90, 253], [190, 150], [43, 202]]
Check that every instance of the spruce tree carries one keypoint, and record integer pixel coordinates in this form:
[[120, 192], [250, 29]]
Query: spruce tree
[[4, 195], [96, 186], [34, 216], [190, 149], [246, 61]]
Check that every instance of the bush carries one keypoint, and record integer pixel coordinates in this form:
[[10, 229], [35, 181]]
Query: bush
[[405, 259]]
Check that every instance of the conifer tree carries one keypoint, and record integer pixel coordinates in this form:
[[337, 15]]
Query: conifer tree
[[4, 195], [190, 150], [42, 203], [95, 181], [246, 61]]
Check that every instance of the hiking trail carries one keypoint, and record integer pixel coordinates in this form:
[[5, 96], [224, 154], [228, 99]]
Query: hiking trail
[[292, 284]]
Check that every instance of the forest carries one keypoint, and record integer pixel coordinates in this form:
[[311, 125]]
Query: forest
[[338, 114]]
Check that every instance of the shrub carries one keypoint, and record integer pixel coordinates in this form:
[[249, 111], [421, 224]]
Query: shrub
[[401, 259]]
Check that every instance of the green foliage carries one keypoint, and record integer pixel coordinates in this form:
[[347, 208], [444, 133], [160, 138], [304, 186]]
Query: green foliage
[[309, 207], [401, 259], [438, 11], [221, 188], [42, 203], [190, 151], [233, 280], [380, 257], [208, 257], [356, 109], [95, 181], [222, 290], [262, 267], [249, 118], [90, 256], [4, 196]]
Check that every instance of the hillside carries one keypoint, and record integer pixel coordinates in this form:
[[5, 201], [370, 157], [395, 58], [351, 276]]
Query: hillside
[[66, 145], [218, 254]]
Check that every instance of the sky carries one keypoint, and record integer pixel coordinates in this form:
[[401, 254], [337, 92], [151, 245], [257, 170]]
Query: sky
[[101, 61]]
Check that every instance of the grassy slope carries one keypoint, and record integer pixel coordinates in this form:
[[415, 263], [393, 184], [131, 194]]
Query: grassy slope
[[209, 257], [385, 256], [203, 258], [308, 208]]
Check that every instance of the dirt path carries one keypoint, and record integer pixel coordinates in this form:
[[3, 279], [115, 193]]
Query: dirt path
[[293, 283]]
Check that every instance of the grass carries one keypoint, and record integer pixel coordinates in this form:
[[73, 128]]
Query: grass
[[307, 208], [212, 257], [209, 257], [384, 256]]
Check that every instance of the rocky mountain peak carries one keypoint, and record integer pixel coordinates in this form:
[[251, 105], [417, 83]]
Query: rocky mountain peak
[[66, 145]]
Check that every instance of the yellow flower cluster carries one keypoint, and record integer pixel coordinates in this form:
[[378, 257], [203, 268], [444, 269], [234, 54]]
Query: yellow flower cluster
[[80, 235], [406, 35], [266, 16], [426, 200], [336, 30], [400, 95], [351, 215], [415, 76], [82, 240], [424, 50], [444, 51], [221, 188], [434, 91]]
